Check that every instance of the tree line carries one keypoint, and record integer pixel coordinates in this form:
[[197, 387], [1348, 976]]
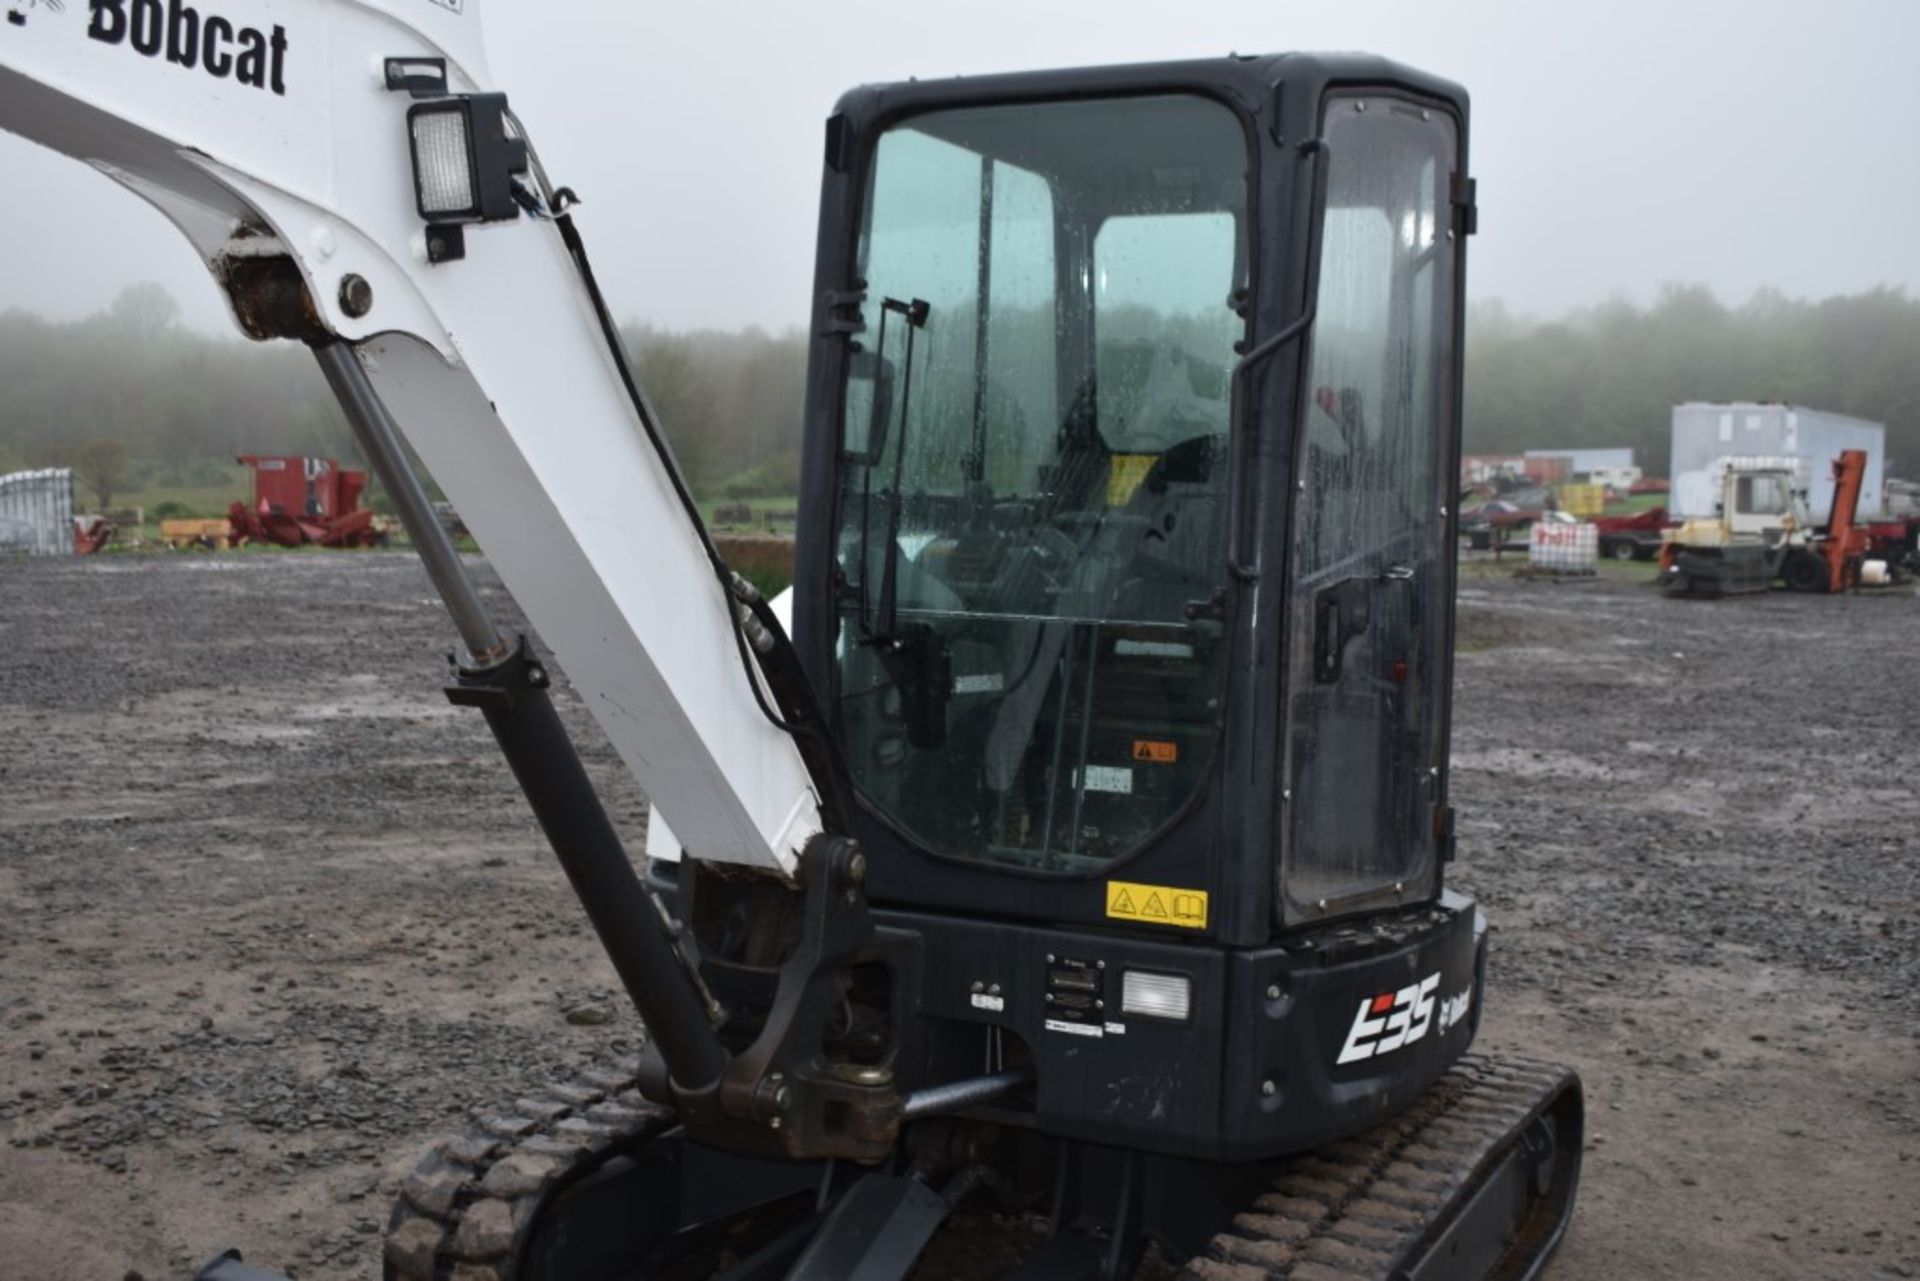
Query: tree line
[[1609, 375], [129, 398], [132, 398]]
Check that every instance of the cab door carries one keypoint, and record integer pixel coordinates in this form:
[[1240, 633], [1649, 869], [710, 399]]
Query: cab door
[[1370, 579]]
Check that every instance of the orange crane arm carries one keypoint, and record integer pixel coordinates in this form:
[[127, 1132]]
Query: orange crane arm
[[1845, 542]]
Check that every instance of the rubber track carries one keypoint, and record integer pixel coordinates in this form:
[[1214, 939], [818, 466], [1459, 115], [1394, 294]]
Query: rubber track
[[460, 1213], [1349, 1211], [1344, 1212]]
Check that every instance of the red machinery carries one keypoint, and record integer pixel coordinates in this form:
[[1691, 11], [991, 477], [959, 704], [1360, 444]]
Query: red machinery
[[90, 534], [297, 501], [1895, 540]]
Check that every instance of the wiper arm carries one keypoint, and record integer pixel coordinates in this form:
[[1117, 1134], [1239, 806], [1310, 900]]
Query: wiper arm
[[886, 619], [915, 657]]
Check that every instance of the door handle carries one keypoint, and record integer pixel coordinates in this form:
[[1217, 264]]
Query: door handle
[[1340, 613]]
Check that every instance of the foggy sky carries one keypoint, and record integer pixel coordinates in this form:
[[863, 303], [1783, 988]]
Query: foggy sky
[[1619, 145]]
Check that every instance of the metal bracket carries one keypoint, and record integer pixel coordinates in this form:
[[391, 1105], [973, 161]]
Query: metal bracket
[[419, 77], [794, 1089], [843, 312], [500, 685]]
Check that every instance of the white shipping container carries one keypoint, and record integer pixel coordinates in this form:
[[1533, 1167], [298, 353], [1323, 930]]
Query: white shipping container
[[36, 513], [1705, 434]]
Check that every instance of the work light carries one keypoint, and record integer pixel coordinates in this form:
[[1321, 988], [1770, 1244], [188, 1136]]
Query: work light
[[443, 161], [465, 160]]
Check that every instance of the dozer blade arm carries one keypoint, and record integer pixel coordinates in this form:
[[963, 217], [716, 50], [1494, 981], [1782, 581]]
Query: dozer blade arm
[[279, 137]]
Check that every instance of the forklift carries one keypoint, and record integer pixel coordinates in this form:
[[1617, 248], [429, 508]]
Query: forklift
[[1761, 535], [1055, 885]]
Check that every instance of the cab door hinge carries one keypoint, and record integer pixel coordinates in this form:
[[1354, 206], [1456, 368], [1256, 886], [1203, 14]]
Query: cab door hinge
[[1466, 206], [845, 312], [1444, 841]]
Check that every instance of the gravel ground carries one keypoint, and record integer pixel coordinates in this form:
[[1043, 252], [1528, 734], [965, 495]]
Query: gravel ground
[[277, 918]]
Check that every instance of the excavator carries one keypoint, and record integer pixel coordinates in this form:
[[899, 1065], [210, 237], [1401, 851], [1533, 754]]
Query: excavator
[[1054, 885]]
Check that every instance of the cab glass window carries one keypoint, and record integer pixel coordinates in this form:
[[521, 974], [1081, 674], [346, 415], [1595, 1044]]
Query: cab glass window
[[1033, 475]]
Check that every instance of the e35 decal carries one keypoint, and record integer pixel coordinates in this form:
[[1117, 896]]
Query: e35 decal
[[1386, 1022]]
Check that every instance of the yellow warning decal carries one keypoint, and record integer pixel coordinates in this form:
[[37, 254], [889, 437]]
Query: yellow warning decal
[[1157, 904], [1147, 749]]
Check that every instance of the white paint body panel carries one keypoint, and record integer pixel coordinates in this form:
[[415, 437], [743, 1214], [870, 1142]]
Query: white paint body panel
[[494, 367]]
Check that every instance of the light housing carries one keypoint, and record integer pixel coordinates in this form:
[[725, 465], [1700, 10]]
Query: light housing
[[1147, 995], [465, 162]]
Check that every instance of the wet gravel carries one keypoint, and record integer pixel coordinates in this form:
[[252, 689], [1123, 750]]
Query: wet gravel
[[1702, 783], [1694, 826], [276, 918]]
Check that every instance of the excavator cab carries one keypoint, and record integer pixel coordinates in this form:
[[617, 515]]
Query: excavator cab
[[1099, 579]]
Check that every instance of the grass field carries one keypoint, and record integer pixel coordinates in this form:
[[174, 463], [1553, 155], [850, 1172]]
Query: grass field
[[204, 500]]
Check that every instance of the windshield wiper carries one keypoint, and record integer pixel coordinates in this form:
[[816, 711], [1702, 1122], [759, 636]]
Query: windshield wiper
[[885, 623], [915, 657]]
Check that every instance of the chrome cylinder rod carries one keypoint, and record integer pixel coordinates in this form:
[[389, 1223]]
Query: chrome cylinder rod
[[380, 442], [957, 1096]]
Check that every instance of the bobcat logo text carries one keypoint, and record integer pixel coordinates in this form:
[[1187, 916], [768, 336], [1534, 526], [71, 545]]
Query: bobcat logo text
[[182, 35]]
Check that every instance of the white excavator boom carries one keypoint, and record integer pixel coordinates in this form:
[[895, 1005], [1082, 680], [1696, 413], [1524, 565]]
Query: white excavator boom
[[276, 129]]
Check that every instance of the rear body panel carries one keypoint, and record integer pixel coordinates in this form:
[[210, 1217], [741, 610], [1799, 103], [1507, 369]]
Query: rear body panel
[[1254, 1072]]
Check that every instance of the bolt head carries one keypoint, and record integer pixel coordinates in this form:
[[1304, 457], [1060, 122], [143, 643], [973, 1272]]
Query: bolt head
[[356, 295], [1269, 1088], [857, 869], [1273, 991]]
